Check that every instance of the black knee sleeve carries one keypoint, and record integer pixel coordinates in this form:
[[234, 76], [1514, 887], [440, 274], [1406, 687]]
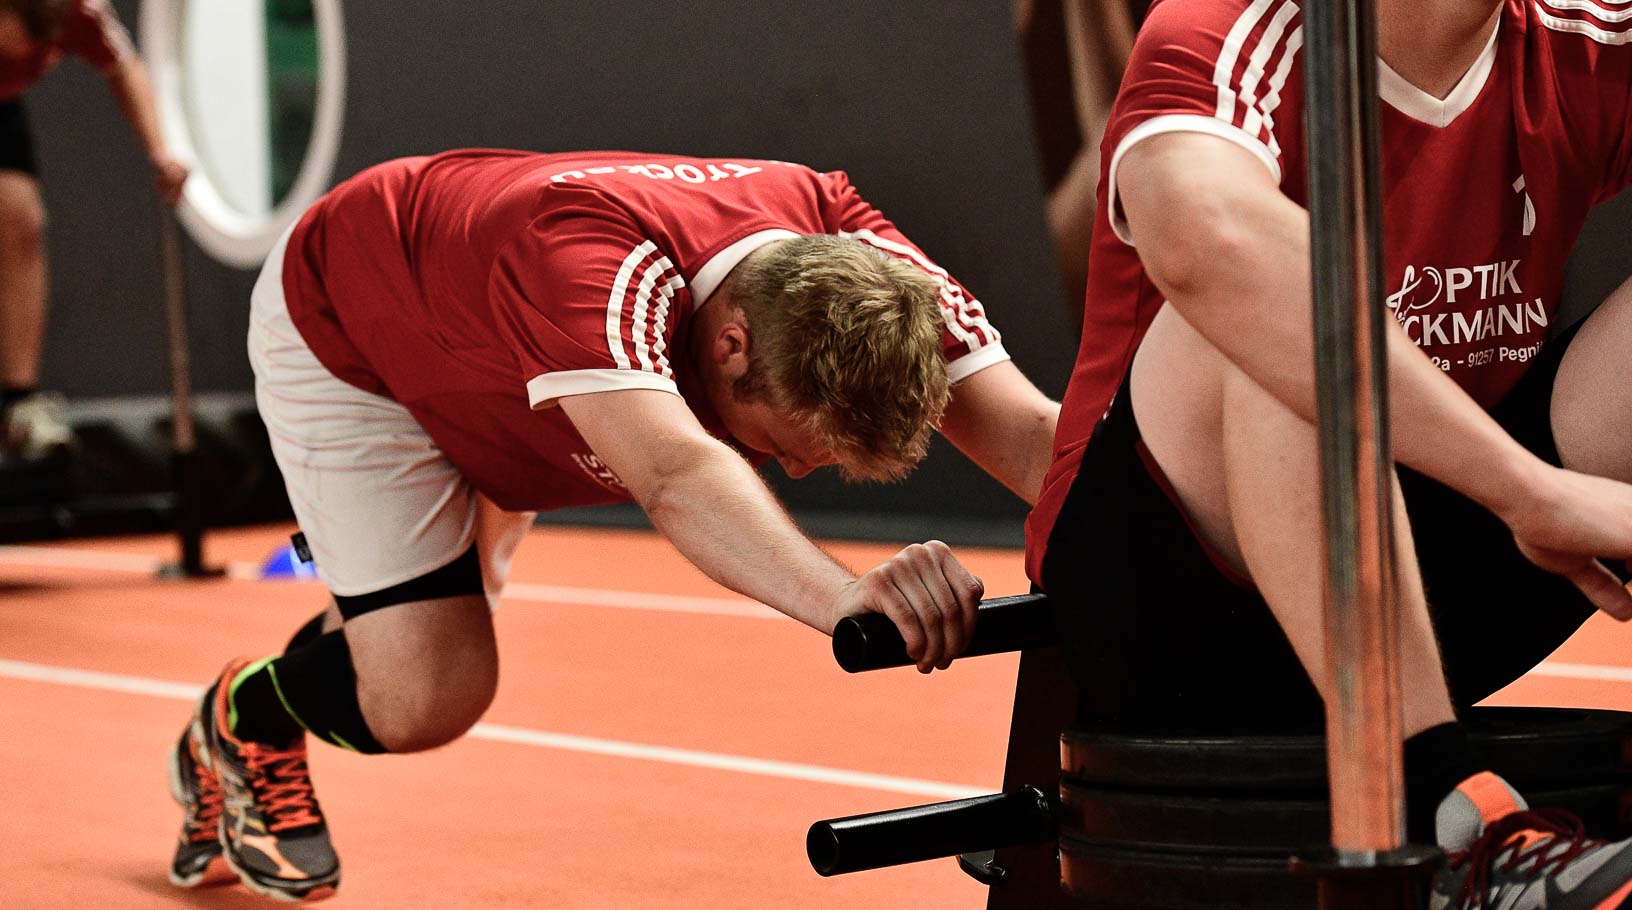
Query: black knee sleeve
[[307, 633], [318, 687], [459, 578]]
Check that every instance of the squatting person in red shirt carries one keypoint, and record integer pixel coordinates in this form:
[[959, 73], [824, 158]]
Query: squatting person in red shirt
[[444, 345], [1179, 525], [34, 36]]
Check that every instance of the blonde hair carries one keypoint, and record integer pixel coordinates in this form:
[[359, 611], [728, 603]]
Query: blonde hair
[[847, 341]]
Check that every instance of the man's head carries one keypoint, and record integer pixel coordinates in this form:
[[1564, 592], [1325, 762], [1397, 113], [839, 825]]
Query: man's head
[[26, 24], [827, 351]]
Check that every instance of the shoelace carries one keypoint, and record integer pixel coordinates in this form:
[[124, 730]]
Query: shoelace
[[284, 789], [207, 817], [1557, 839]]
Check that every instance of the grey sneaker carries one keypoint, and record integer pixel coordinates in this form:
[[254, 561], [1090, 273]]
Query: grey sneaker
[[1501, 855], [34, 430], [272, 829]]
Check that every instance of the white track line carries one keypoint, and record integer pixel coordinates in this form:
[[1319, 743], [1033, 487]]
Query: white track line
[[566, 742], [131, 563], [1583, 671]]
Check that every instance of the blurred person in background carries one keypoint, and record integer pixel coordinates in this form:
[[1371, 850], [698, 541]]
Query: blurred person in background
[[34, 36], [1074, 52]]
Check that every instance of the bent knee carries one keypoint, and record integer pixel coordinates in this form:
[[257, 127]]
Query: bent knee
[[416, 715]]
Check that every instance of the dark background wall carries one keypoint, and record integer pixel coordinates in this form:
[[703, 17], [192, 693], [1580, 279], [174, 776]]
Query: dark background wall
[[920, 100]]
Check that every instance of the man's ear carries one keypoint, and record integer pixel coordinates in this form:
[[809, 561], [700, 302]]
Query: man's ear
[[729, 350]]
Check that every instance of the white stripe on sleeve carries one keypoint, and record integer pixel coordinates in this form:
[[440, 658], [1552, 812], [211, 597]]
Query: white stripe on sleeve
[[1258, 62], [1224, 69], [1276, 83], [615, 302], [665, 293], [1597, 10], [964, 318], [1591, 30]]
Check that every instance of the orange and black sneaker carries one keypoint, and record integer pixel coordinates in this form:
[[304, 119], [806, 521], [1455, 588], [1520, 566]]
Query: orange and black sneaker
[[1501, 854], [271, 827], [195, 787]]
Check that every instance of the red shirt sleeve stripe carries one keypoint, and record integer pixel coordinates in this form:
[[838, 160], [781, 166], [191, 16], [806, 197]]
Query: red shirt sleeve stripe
[[964, 317], [637, 320]]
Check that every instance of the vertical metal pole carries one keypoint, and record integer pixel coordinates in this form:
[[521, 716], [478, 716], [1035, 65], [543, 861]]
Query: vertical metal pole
[[1363, 710], [1363, 717], [188, 507]]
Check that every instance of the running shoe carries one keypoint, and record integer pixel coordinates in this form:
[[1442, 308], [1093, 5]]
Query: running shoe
[[272, 829], [33, 429], [1501, 854], [198, 791]]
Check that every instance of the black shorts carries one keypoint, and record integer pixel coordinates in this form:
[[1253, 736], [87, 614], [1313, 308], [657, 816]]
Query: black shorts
[[16, 140], [1162, 638]]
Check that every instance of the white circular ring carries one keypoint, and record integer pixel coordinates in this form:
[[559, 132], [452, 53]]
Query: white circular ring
[[224, 232]]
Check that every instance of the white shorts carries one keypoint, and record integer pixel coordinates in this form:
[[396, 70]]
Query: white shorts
[[376, 499]]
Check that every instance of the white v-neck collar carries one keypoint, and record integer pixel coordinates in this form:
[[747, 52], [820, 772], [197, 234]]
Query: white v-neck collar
[[1419, 105]]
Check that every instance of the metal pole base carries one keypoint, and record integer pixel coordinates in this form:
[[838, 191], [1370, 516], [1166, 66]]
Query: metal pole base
[[1396, 880], [188, 518], [184, 570]]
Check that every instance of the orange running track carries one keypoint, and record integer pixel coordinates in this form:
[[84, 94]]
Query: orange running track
[[656, 742]]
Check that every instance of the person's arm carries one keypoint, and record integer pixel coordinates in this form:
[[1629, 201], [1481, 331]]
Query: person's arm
[[131, 87], [722, 517], [1005, 425], [1231, 254]]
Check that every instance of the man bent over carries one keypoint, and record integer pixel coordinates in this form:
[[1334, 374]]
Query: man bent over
[[444, 345]]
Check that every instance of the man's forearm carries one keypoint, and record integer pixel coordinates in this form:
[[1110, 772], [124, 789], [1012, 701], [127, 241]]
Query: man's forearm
[[1018, 453], [723, 518], [1006, 425], [133, 90]]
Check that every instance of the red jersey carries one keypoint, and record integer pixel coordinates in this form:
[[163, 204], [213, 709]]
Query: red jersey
[[479, 287], [1484, 191], [90, 31]]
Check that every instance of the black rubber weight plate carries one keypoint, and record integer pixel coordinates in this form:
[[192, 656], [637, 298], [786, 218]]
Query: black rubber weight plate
[[1532, 747], [1248, 826], [1110, 877]]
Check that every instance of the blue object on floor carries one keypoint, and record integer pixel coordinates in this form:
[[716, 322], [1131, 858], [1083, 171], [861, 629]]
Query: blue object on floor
[[284, 564]]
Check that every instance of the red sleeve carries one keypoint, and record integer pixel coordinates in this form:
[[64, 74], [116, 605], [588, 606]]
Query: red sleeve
[[1588, 46], [589, 304], [1207, 66], [92, 31], [1615, 87], [969, 341]]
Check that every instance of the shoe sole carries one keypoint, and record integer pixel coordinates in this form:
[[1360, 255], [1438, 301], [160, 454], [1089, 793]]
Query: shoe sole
[[178, 792]]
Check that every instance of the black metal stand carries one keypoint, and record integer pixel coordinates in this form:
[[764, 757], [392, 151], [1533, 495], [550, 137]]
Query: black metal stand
[[1396, 879], [859, 842], [872, 642], [188, 514]]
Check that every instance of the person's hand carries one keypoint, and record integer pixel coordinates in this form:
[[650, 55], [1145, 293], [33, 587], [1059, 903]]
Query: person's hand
[[929, 596], [1573, 521], [169, 176]]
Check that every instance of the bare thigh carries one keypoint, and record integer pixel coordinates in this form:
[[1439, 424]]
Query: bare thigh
[[1592, 396], [1246, 470], [1178, 400]]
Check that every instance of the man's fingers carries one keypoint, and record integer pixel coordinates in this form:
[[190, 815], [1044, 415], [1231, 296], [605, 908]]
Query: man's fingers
[[1602, 588], [912, 592], [965, 587], [906, 622], [946, 605]]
